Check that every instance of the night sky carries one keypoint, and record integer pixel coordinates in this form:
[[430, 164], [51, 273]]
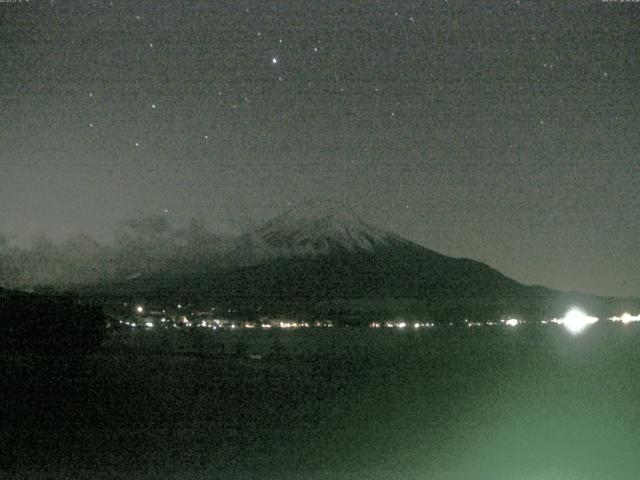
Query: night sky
[[506, 132]]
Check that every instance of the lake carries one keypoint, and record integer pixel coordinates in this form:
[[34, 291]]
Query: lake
[[529, 402]]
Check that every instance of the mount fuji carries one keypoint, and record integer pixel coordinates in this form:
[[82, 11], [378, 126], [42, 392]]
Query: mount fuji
[[313, 229], [321, 259]]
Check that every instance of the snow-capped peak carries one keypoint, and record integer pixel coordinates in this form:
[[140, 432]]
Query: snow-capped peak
[[317, 228]]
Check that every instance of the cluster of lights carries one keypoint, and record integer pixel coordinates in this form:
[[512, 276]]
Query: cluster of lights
[[148, 320], [626, 318], [293, 325], [575, 320], [401, 325]]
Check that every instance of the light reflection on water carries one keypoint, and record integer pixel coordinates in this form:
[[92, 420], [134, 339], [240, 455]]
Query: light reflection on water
[[516, 403]]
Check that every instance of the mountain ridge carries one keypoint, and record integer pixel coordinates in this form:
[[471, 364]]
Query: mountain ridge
[[312, 228], [314, 258]]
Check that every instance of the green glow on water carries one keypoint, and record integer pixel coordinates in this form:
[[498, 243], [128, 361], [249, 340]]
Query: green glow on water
[[470, 404]]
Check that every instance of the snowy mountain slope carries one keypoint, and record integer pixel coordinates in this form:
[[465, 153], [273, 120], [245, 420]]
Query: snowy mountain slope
[[312, 229], [321, 258]]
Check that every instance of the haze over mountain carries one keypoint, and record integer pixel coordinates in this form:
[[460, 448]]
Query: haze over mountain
[[141, 246], [323, 260], [316, 259], [310, 229]]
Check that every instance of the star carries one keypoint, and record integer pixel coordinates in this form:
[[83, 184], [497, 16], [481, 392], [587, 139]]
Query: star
[[274, 60], [153, 105], [137, 144]]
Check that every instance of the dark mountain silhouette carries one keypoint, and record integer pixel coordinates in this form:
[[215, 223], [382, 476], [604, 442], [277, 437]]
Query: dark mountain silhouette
[[49, 323], [322, 260]]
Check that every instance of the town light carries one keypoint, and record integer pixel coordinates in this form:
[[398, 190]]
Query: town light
[[626, 318], [576, 320]]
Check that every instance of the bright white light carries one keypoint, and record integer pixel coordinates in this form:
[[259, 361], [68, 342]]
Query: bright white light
[[149, 324], [402, 325], [274, 60], [139, 309], [626, 318], [575, 320], [512, 322]]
